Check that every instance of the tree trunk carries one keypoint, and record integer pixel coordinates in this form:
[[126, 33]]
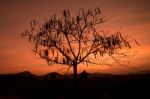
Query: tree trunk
[[75, 71], [75, 78]]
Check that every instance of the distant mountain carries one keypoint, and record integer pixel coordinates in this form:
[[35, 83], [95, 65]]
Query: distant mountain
[[53, 75], [25, 73], [141, 72]]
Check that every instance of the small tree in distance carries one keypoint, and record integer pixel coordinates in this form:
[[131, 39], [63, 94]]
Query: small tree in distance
[[72, 40]]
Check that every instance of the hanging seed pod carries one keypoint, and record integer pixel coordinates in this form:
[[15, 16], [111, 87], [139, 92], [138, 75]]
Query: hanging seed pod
[[56, 60], [98, 10], [65, 13], [64, 61], [95, 12], [121, 36], [125, 43], [128, 45], [113, 42], [78, 19], [136, 42], [46, 53]]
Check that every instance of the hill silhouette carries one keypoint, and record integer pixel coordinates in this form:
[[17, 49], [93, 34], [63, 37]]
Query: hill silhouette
[[25, 73], [25, 85], [141, 72]]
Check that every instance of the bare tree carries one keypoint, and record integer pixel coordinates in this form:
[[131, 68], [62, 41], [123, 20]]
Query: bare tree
[[71, 40]]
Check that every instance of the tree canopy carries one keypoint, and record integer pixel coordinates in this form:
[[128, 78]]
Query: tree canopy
[[71, 40]]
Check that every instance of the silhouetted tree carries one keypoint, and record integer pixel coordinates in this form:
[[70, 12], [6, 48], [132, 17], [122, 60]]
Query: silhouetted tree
[[72, 40]]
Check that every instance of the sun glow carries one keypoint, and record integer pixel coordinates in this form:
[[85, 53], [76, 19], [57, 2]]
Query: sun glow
[[16, 54]]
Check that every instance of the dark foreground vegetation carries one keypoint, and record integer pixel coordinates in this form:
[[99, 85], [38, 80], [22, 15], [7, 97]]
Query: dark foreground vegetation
[[89, 86]]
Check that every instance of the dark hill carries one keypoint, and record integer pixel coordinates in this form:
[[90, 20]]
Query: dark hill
[[25, 73], [53, 76], [141, 72], [26, 85]]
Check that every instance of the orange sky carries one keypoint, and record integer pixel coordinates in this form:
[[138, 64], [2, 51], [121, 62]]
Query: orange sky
[[132, 16]]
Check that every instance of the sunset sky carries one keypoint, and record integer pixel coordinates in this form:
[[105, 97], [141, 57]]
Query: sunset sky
[[131, 17]]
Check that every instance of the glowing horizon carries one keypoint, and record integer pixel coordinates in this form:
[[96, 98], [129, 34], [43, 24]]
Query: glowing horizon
[[16, 54]]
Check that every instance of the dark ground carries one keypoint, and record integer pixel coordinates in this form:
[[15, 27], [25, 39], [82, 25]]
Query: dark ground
[[55, 86]]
